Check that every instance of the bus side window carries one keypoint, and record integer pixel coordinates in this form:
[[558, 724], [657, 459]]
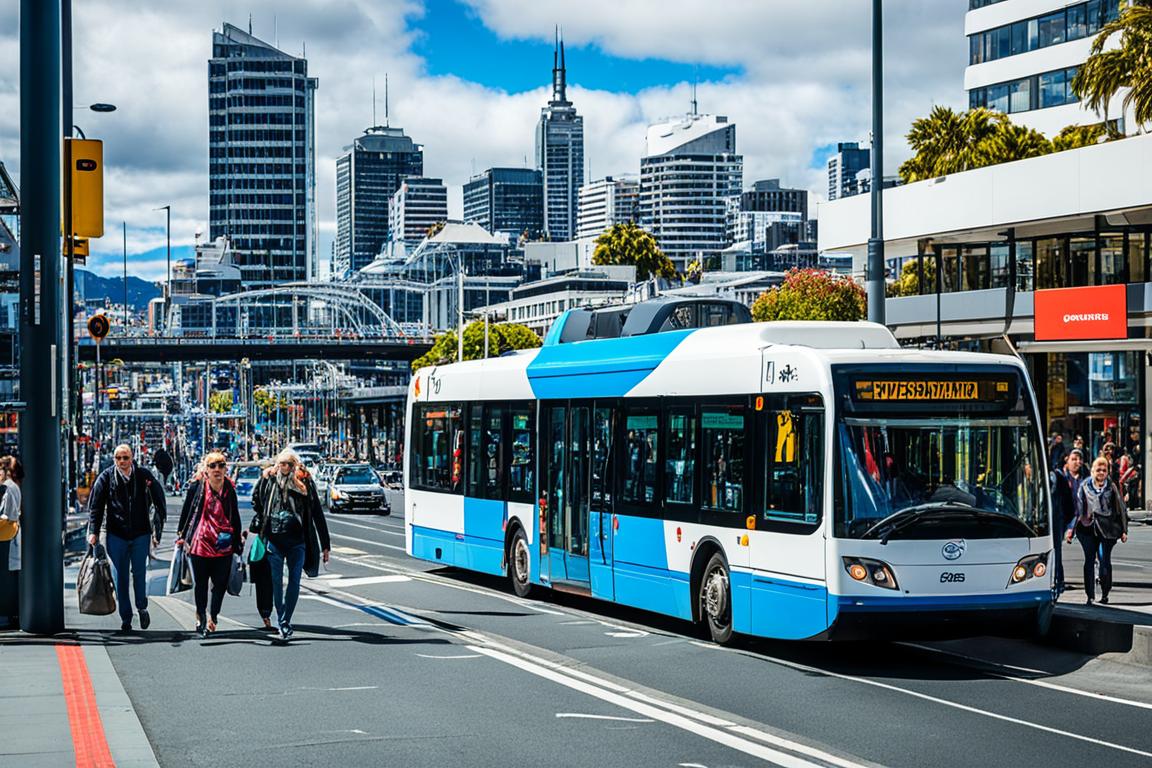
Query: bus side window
[[475, 451], [680, 449], [439, 448], [724, 431], [794, 453], [521, 485], [641, 440], [493, 455]]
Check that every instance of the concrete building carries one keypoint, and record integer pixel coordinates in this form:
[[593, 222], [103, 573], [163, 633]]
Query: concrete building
[[1023, 54], [509, 200], [606, 202], [417, 205], [261, 158], [768, 195], [1048, 257], [560, 154], [843, 166], [367, 175], [538, 304], [689, 170]]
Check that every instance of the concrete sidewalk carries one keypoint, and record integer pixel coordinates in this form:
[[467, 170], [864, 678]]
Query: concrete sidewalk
[[63, 701]]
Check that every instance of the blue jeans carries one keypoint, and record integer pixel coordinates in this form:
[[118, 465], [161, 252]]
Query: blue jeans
[[285, 601], [1096, 546], [124, 553]]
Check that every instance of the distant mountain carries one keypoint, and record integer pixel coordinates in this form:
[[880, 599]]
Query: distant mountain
[[92, 287]]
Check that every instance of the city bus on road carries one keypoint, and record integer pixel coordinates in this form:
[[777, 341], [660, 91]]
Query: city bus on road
[[784, 480]]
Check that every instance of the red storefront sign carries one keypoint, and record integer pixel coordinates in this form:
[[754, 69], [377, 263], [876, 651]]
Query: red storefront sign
[[1097, 312]]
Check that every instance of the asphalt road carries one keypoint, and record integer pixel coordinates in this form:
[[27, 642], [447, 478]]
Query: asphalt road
[[396, 662]]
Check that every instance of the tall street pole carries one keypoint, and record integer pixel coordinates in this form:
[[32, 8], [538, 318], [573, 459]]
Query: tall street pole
[[124, 232], [42, 581], [874, 271], [71, 392]]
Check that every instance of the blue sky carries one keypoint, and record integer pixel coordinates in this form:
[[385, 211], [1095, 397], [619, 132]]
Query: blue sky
[[453, 40]]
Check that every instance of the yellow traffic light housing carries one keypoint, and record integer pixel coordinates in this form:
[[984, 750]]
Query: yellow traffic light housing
[[84, 159]]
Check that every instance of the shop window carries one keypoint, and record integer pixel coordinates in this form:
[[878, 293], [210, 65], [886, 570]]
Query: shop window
[[974, 268], [1050, 263], [1113, 260], [998, 267], [1137, 262], [1082, 261], [1025, 266]]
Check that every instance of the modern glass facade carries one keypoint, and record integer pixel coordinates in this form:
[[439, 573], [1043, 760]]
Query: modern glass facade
[[560, 156], [1049, 89], [261, 158], [507, 200], [1071, 23], [367, 175]]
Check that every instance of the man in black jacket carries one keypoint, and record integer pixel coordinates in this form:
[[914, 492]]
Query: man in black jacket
[[1065, 481], [121, 496]]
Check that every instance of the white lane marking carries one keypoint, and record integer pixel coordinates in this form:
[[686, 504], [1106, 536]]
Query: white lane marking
[[978, 660], [362, 581], [347, 688], [692, 765], [944, 702], [1038, 683], [717, 735], [365, 527], [582, 716], [442, 582], [574, 623], [349, 551], [626, 634], [366, 541], [446, 658], [329, 601]]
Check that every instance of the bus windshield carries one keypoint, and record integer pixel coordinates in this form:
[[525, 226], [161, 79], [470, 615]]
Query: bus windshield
[[940, 478]]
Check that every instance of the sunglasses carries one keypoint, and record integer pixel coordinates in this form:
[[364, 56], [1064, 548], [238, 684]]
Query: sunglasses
[[123, 458], [218, 465]]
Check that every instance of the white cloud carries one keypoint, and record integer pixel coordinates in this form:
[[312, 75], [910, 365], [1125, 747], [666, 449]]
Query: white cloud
[[806, 84]]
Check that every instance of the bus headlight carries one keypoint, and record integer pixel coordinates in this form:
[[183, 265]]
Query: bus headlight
[[868, 571], [1029, 567]]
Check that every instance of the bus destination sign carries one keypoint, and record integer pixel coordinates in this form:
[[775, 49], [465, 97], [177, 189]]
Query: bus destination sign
[[905, 390]]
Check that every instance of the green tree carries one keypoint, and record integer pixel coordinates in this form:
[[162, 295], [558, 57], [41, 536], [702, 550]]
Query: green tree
[[1128, 66], [908, 284], [947, 142], [502, 337], [811, 294], [630, 245], [220, 402], [1076, 136]]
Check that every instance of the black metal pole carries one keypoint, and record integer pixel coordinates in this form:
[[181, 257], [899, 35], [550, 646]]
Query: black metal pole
[[124, 232], [42, 577], [73, 402], [874, 271]]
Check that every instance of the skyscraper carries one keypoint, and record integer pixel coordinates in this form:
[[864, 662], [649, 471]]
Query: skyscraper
[[843, 166], [367, 175], [261, 158], [560, 154], [506, 200], [417, 204], [688, 173]]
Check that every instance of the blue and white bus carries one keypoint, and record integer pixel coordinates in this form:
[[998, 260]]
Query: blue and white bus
[[786, 480]]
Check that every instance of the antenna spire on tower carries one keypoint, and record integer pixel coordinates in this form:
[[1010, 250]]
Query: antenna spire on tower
[[559, 71], [373, 100], [386, 123], [695, 78]]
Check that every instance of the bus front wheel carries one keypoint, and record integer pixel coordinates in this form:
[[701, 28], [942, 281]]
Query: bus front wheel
[[520, 565], [716, 599]]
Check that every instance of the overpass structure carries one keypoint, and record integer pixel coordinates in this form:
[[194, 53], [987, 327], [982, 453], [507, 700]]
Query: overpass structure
[[163, 349]]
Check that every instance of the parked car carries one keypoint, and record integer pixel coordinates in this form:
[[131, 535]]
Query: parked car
[[356, 488], [245, 475], [322, 477]]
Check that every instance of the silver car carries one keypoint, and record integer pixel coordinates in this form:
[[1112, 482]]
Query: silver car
[[357, 488]]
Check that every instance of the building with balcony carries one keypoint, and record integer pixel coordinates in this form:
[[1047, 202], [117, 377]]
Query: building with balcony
[[1048, 257], [1023, 54], [689, 171], [607, 202], [417, 205]]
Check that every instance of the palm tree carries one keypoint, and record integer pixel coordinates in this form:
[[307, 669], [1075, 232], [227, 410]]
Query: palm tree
[[630, 245], [1129, 66], [1012, 142], [948, 142]]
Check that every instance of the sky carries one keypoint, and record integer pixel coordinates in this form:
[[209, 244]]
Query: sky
[[467, 79]]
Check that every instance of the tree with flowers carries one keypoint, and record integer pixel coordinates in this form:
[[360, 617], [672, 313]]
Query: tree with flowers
[[811, 294]]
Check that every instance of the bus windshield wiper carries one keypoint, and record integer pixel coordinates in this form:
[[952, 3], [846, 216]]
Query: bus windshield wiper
[[898, 521]]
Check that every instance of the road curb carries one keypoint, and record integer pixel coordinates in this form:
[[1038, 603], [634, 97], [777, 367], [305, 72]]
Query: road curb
[[1087, 630]]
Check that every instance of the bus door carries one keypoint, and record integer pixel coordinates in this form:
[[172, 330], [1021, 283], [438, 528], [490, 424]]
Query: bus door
[[568, 478], [600, 504]]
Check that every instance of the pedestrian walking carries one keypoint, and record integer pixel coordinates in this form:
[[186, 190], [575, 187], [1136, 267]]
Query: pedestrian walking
[[210, 528], [128, 502], [1064, 483], [11, 505], [1057, 453], [1101, 520], [290, 522]]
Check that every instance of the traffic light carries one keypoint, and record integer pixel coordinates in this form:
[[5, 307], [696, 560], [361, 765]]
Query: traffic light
[[80, 250], [85, 162]]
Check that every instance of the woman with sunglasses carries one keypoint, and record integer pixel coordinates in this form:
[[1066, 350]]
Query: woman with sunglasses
[[210, 527], [289, 520]]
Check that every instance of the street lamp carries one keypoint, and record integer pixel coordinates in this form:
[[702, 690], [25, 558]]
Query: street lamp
[[168, 283]]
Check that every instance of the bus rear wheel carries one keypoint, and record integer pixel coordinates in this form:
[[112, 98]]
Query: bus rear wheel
[[520, 565], [716, 599]]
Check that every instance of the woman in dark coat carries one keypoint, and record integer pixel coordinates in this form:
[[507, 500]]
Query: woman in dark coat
[[211, 530], [289, 520], [1101, 520]]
